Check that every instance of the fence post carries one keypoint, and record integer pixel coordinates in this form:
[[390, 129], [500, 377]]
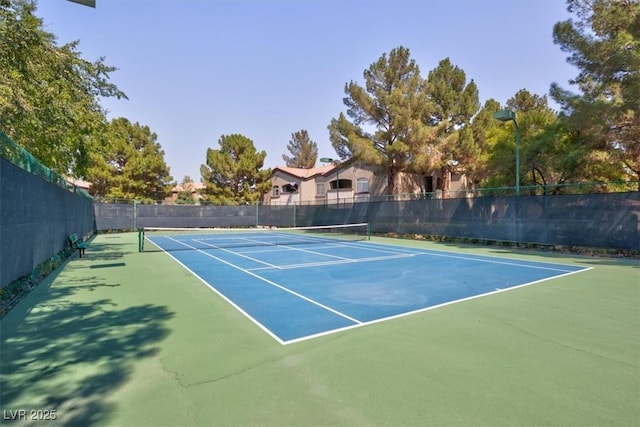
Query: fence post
[[257, 213], [135, 214]]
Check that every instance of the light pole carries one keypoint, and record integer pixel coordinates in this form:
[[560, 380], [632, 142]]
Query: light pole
[[506, 116], [335, 162]]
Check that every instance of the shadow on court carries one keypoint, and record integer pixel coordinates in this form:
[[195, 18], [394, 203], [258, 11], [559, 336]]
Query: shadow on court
[[121, 338], [109, 251], [65, 350]]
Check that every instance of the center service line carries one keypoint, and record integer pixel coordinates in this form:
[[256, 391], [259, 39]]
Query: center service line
[[271, 283]]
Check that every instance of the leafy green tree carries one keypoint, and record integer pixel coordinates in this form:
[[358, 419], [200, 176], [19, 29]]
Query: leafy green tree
[[533, 116], [304, 151], [49, 95], [603, 42], [556, 157], [233, 174], [131, 166], [542, 142], [454, 103], [185, 195], [385, 124], [551, 154], [485, 129]]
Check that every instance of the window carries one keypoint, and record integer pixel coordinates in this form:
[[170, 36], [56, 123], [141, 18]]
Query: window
[[320, 189], [428, 184], [290, 188], [362, 185], [276, 191], [343, 183]]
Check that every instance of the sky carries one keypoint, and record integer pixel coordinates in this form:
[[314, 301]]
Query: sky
[[195, 70]]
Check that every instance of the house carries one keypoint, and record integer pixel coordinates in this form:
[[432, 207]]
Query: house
[[349, 182], [78, 183], [194, 188]]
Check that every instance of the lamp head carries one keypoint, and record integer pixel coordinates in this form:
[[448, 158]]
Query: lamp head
[[504, 115], [90, 3]]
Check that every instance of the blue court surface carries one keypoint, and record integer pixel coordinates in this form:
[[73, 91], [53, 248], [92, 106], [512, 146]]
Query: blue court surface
[[297, 291]]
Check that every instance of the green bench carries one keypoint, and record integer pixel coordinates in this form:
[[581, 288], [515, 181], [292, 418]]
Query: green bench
[[78, 244]]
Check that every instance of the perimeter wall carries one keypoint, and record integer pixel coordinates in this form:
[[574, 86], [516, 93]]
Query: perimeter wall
[[36, 218]]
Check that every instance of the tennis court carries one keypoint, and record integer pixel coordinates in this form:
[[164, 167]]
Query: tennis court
[[305, 282], [123, 338]]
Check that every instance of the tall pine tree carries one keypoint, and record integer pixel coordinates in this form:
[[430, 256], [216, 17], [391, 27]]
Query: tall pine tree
[[233, 173], [454, 104], [384, 125], [304, 151], [131, 165], [604, 44]]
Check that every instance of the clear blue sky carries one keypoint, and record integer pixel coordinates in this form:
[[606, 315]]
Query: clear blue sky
[[198, 69]]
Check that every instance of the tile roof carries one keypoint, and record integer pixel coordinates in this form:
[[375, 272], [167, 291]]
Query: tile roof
[[78, 183], [305, 173]]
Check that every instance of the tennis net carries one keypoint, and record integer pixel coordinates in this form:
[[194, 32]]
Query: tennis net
[[152, 239]]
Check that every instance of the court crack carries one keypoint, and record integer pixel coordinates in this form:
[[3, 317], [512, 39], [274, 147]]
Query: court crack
[[570, 347], [176, 375]]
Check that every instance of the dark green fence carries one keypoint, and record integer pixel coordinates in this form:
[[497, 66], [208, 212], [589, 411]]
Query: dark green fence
[[597, 220], [18, 156], [38, 210]]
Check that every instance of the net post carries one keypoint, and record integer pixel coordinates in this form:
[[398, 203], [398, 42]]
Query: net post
[[140, 239], [368, 231]]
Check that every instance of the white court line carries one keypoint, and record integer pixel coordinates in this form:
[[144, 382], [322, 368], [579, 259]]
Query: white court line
[[232, 252], [401, 254], [328, 263], [309, 246], [318, 253], [513, 263], [390, 248], [221, 295], [342, 260], [270, 282], [386, 248], [478, 258], [444, 304], [481, 259], [242, 254], [280, 248]]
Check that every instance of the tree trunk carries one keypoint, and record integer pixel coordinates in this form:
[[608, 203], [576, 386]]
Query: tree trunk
[[446, 178], [391, 179]]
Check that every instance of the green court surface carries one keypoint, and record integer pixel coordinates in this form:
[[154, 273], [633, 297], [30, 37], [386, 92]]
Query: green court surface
[[121, 338]]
